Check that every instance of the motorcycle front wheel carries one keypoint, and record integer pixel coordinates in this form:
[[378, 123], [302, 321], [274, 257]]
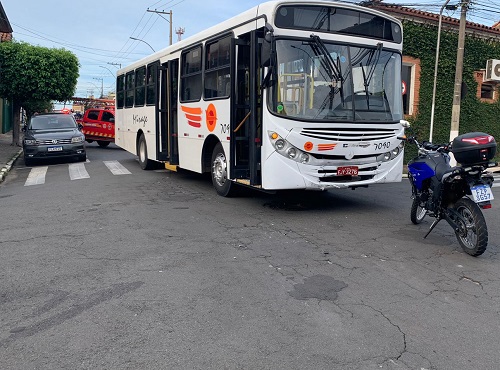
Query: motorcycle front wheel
[[472, 233], [417, 212]]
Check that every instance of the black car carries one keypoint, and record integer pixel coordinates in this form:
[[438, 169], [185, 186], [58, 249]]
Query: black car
[[53, 135]]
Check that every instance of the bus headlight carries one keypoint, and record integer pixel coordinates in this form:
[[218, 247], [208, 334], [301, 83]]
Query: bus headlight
[[389, 156], [279, 144], [289, 151]]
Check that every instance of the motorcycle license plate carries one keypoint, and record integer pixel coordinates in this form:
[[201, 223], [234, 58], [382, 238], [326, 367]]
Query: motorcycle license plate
[[347, 171], [481, 193]]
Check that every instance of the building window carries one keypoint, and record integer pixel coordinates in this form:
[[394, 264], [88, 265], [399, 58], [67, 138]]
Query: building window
[[487, 91], [410, 75]]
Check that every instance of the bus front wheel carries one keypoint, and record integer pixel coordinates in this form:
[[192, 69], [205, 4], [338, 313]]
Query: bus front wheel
[[220, 172], [142, 152]]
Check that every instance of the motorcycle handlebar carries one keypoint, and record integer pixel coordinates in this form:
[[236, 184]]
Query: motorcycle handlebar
[[426, 145]]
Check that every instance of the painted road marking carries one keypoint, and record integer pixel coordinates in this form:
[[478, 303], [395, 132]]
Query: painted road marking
[[77, 171], [116, 168], [36, 176]]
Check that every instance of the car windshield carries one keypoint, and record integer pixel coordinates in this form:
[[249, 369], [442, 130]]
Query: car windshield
[[52, 122], [319, 81]]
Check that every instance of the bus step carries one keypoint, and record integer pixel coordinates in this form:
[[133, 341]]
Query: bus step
[[171, 167]]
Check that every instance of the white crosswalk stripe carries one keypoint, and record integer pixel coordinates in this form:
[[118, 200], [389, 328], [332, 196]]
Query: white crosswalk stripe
[[36, 176], [116, 168], [77, 171]]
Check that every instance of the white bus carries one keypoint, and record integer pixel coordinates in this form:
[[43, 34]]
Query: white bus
[[287, 95]]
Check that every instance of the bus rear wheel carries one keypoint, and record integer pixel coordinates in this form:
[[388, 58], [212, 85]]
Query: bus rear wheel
[[220, 172], [142, 152]]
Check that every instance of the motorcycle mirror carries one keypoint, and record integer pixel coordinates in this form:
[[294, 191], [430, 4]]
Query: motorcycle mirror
[[405, 123]]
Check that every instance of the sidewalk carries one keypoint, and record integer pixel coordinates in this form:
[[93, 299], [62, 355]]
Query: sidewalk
[[8, 154]]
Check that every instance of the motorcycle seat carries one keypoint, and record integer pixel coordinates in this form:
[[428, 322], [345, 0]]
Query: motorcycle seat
[[441, 169], [445, 174]]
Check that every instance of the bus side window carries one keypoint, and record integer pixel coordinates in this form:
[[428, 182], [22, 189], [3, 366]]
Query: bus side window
[[191, 74]]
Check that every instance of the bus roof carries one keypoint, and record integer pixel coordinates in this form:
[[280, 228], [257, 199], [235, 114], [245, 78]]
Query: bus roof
[[260, 11]]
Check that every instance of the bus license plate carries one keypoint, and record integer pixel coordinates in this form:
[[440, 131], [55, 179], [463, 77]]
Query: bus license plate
[[481, 193], [54, 149], [347, 171]]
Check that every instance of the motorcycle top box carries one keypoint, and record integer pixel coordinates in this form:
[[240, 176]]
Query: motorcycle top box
[[474, 148]]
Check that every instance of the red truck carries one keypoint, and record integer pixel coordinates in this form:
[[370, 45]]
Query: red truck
[[99, 125]]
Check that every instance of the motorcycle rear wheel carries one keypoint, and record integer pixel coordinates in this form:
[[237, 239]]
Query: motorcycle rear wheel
[[417, 212], [473, 232]]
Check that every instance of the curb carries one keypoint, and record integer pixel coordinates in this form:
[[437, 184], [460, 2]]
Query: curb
[[8, 166]]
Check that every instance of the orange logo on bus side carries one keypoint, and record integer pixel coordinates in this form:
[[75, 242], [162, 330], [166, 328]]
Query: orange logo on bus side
[[211, 115], [193, 116]]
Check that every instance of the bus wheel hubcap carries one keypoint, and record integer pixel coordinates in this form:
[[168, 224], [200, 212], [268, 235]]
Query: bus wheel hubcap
[[219, 169]]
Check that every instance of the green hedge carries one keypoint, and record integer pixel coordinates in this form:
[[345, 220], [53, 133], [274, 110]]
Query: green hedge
[[420, 42]]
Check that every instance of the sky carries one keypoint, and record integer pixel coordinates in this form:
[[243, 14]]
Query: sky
[[98, 31]]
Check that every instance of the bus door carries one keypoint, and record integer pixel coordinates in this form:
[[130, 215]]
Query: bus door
[[246, 130], [166, 113]]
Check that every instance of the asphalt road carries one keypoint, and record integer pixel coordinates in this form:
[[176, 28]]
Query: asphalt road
[[153, 270]]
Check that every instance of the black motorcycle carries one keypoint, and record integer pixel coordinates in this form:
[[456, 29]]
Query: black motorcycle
[[455, 194]]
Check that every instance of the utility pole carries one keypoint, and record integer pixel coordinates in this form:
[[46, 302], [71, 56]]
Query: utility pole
[[455, 113], [169, 21], [102, 85], [445, 5]]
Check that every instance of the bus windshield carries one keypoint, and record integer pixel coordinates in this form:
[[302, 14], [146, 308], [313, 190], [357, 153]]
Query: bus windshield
[[322, 81]]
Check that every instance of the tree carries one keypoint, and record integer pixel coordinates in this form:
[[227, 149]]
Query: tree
[[33, 76]]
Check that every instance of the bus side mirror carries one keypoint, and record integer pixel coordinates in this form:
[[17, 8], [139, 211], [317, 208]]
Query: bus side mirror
[[266, 50], [265, 54]]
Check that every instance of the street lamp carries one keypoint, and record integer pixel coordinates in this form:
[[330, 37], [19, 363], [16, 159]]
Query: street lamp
[[436, 69], [115, 64], [133, 38], [112, 74]]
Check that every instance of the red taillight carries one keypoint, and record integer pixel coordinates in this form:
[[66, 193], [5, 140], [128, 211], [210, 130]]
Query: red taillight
[[485, 206], [479, 140]]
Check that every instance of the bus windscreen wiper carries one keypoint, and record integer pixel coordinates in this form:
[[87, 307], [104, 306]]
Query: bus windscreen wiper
[[372, 64], [331, 66]]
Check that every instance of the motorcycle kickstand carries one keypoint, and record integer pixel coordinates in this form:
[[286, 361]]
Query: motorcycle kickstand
[[432, 226]]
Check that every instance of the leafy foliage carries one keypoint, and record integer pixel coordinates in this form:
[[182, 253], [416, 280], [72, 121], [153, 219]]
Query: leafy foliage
[[31, 73], [475, 115], [33, 76]]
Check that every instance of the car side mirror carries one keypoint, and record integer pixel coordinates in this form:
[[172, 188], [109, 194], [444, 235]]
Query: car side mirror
[[24, 128], [80, 127]]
